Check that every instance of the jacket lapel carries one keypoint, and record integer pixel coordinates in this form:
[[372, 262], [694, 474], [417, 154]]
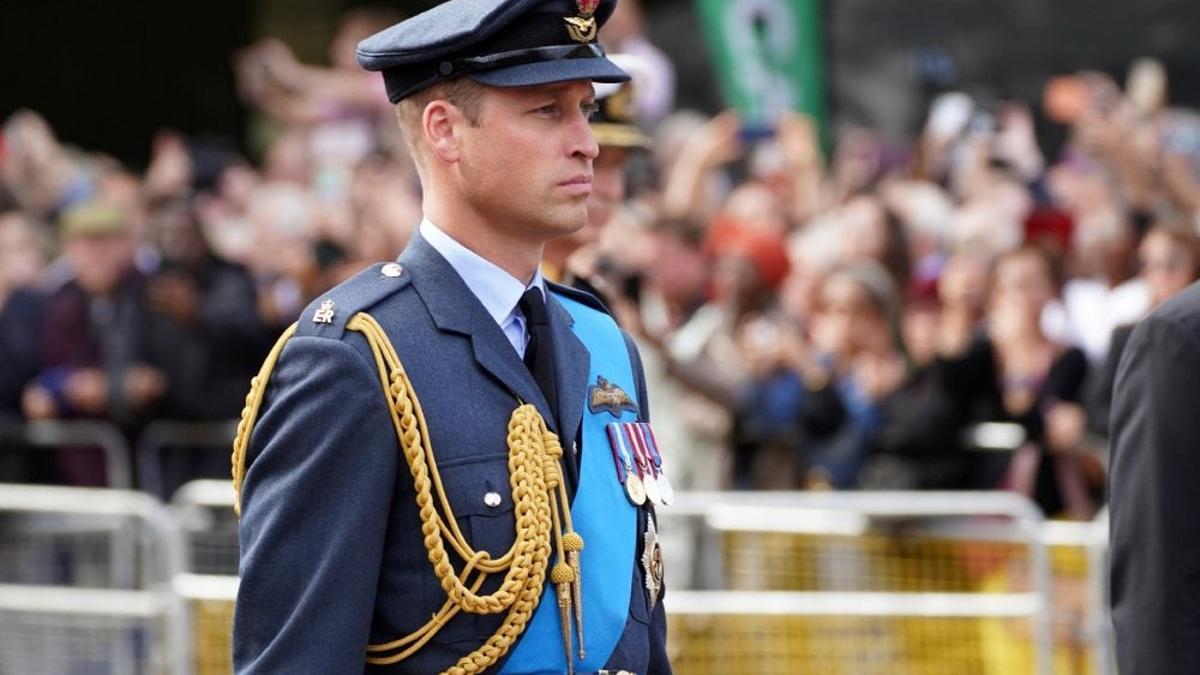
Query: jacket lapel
[[455, 309], [572, 363]]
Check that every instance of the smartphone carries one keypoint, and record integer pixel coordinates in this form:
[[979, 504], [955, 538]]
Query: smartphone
[[756, 133], [949, 114]]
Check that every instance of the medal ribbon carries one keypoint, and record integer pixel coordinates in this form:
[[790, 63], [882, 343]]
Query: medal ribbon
[[620, 452], [652, 444], [643, 466]]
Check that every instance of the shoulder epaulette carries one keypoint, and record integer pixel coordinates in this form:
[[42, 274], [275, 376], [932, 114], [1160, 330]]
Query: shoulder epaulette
[[327, 315], [580, 296]]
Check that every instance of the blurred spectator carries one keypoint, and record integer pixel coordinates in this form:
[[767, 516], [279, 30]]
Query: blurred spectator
[[810, 316], [23, 254], [43, 176], [93, 359], [1013, 372], [625, 33], [1105, 292], [1170, 261], [339, 107], [857, 366], [204, 327]]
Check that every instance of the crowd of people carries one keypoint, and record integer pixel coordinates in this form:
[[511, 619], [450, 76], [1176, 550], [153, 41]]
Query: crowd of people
[[944, 313]]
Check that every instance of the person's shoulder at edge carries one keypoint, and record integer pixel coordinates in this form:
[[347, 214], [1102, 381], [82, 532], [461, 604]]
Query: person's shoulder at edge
[[1182, 308], [1177, 317]]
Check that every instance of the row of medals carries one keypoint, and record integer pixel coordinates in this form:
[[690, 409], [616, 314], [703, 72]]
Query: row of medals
[[644, 477]]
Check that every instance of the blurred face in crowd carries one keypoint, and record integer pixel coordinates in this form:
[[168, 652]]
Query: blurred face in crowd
[[22, 255], [849, 319], [756, 205], [865, 225], [1168, 266], [963, 284], [100, 260], [524, 166], [735, 279], [921, 324], [679, 272], [1022, 286], [1103, 245], [282, 220], [176, 233]]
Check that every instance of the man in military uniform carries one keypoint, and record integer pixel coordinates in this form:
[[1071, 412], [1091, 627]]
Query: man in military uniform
[[444, 465]]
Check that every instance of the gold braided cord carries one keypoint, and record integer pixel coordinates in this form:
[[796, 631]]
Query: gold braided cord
[[254, 398], [540, 508], [534, 474]]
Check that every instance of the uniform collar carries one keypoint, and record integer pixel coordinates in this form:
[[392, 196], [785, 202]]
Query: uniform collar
[[497, 290]]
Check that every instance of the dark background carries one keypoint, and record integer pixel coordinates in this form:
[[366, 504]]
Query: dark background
[[108, 74]]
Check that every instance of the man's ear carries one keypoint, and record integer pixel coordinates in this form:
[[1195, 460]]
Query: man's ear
[[441, 123]]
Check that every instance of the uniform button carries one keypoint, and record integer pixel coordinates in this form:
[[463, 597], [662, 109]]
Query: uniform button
[[392, 270], [492, 499]]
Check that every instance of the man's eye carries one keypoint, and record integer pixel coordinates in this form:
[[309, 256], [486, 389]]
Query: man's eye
[[590, 109], [547, 109]]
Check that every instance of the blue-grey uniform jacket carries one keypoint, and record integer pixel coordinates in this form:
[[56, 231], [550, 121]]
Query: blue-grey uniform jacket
[[332, 554]]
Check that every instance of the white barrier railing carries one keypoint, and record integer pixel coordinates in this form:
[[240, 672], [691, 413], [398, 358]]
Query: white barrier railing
[[49, 434], [849, 514], [44, 624], [989, 517]]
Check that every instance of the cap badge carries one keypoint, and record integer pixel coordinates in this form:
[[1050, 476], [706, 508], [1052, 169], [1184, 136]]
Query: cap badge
[[604, 396], [619, 105], [583, 28]]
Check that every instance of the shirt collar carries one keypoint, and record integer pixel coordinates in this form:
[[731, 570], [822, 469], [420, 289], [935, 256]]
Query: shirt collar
[[495, 288]]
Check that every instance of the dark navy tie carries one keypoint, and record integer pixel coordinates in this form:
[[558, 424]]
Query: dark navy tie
[[539, 351]]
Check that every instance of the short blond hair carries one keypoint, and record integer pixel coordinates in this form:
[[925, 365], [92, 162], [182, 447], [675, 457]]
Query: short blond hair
[[462, 92]]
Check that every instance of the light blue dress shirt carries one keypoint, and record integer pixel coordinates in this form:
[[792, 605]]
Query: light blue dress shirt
[[498, 290]]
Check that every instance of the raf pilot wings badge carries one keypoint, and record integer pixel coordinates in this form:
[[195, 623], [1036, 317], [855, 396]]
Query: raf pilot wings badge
[[583, 28], [606, 396]]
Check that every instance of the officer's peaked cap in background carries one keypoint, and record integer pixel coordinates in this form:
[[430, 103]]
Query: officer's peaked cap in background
[[615, 124], [501, 43]]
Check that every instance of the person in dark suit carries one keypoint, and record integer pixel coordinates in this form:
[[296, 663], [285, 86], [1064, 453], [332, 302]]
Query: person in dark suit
[[1170, 259], [1154, 504], [439, 464]]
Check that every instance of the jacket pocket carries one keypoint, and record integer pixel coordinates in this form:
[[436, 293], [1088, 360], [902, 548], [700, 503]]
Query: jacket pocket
[[481, 499]]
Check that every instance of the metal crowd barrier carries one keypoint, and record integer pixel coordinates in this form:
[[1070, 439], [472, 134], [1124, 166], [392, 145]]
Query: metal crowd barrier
[[204, 509], [155, 473], [865, 582], [106, 605], [49, 434], [773, 582], [151, 448]]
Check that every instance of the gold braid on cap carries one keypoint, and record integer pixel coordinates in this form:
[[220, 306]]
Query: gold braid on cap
[[540, 507]]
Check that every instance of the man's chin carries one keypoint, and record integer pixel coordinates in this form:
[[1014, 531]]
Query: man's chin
[[569, 224]]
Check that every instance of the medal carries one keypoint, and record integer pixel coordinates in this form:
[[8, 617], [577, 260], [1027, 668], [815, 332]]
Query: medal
[[664, 485], [635, 490], [641, 459], [652, 563], [626, 474]]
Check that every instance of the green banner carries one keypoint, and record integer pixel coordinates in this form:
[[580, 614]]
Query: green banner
[[768, 57]]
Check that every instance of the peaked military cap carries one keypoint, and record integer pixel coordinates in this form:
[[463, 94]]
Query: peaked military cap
[[501, 43], [615, 123]]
